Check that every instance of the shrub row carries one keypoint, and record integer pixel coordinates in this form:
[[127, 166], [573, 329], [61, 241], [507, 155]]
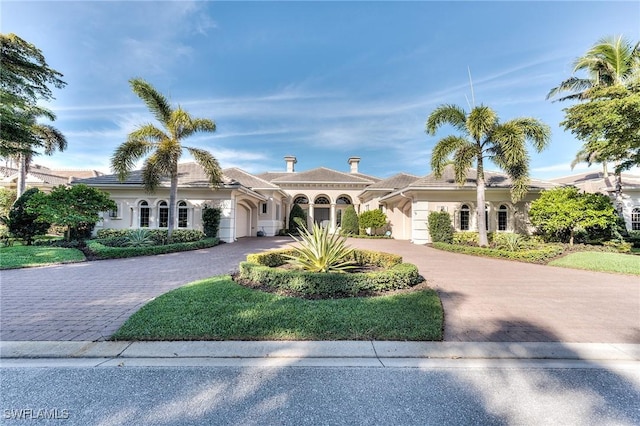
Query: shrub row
[[159, 236], [275, 258], [403, 275], [540, 255], [100, 251]]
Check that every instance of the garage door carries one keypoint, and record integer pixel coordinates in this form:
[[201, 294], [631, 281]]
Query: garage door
[[242, 221]]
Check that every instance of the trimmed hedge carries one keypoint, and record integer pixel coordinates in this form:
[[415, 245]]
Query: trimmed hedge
[[262, 268], [101, 251], [159, 236], [274, 258], [541, 255]]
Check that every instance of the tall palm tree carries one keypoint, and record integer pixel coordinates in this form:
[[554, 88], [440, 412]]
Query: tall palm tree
[[37, 136], [162, 147], [484, 137], [612, 60]]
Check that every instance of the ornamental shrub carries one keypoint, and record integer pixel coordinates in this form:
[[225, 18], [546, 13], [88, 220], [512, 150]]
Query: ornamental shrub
[[211, 221], [440, 228], [373, 219], [22, 224], [297, 212], [349, 225]]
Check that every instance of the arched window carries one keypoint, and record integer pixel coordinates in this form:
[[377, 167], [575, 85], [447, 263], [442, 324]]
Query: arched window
[[322, 200], [339, 218], [343, 200], [635, 219], [464, 217], [503, 214], [183, 214], [301, 200], [163, 214], [144, 211]]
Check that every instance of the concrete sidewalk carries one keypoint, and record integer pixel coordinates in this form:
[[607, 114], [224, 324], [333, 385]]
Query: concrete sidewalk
[[311, 353]]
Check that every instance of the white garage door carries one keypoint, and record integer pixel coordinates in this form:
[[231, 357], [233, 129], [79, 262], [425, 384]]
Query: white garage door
[[242, 221]]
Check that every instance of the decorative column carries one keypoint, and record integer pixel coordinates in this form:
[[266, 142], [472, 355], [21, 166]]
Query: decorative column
[[310, 220], [333, 217]]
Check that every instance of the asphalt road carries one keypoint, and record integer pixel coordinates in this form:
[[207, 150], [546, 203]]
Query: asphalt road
[[510, 394]]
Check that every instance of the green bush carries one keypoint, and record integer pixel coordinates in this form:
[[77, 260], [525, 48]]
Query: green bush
[[350, 224], [24, 225], [211, 221], [159, 236], [469, 238], [620, 246], [297, 213], [139, 238], [261, 268], [541, 255], [373, 219], [508, 241], [330, 284], [319, 250], [101, 251], [440, 228]]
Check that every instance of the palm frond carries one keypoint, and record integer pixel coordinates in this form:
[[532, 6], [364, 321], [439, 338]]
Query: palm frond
[[463, 161], [126, 155], [50, 138], [572, 84], [481, 122], [535, 132], [154, 100], [443, 150], [446, 114], [149, 132], [209, 163], [153, 171]]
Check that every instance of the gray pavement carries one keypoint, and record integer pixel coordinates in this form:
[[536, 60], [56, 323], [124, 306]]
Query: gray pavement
[[485, 300]]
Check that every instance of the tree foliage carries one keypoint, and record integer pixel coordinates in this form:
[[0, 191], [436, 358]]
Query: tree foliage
[[483, 138], [74, 207], [350, 224], [561, 212], [163, 147], [25, 80], [7, 198], [23, 223], [297, 226], [440, 228], [374, 219], [608, 123]]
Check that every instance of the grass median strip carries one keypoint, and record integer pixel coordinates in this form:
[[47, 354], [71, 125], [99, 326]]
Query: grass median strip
[[602, 262], [220, 309], [26, 256]]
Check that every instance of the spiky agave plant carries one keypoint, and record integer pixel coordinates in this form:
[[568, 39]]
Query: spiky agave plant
[[321, 251]]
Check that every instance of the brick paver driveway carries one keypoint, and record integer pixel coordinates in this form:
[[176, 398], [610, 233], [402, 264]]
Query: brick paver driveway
[[484, 299]]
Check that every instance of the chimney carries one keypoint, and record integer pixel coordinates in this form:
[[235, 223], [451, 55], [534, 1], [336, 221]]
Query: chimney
[[353, 162], [291, 160]]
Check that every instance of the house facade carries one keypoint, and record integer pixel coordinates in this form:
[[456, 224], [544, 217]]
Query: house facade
[[260, 204]]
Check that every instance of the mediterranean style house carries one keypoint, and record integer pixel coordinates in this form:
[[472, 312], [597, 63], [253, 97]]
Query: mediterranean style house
[[260, 204]]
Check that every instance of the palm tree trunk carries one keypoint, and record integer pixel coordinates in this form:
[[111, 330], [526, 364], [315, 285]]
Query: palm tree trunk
[[173, 195], [483, 240], [22, 175]]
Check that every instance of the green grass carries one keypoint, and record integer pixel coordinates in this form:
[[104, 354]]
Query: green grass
[[603, 262], [219, 309], [25, 256]]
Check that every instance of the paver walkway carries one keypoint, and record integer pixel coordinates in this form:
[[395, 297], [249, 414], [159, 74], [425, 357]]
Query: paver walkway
[[484, 299]]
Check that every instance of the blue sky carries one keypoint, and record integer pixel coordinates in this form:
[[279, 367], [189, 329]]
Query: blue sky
[[319, 80]]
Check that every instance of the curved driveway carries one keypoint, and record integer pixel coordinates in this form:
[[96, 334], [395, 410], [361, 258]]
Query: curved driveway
[[484, 299]]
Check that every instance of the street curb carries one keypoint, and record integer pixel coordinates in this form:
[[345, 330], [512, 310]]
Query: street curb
[[319, 350]]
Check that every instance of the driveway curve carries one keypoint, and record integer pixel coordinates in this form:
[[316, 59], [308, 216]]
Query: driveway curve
[[484, 299]]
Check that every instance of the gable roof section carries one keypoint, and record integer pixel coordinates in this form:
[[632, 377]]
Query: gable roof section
[[40, 175], [401, 180], [321, 175], [595, 181], [247, 179]]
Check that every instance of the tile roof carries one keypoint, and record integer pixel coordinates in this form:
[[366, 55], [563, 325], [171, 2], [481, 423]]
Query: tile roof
[[401, 180], [321, 175], [595, 181], [247, 179], [492, 180], [42, 174]]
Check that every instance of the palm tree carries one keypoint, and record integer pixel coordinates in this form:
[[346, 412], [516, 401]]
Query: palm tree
[[611, 61], [162, 147], [38, 136], [483, 137]]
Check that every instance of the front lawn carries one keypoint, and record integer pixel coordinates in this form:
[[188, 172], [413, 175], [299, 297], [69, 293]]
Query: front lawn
[[25, 256], [220, 309], [602, 262]]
